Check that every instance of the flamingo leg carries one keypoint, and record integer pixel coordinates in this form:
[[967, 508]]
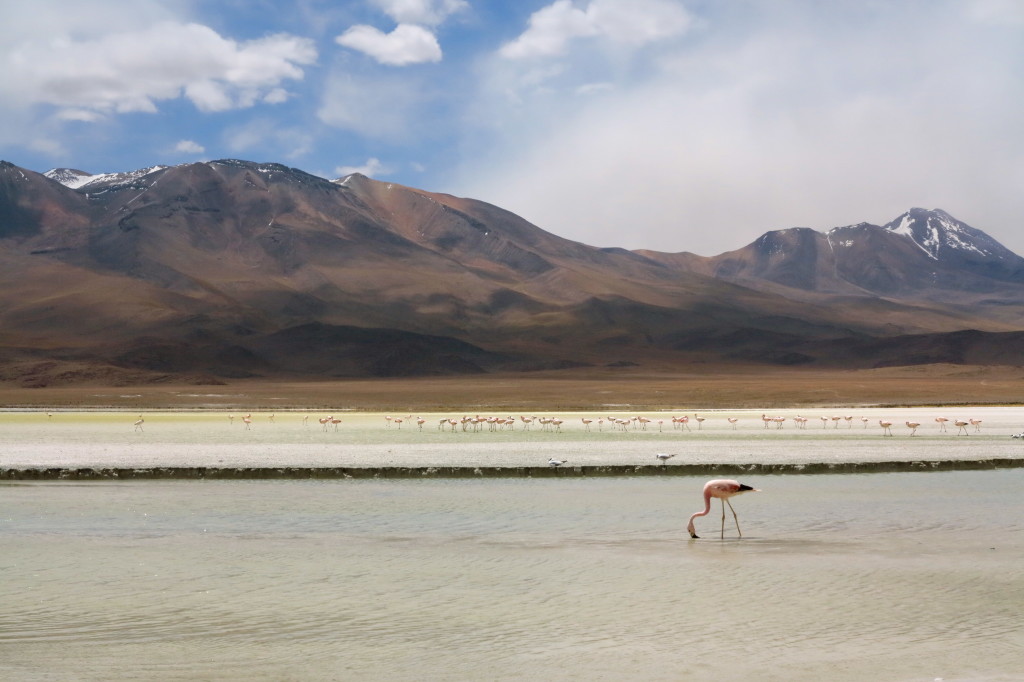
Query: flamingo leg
[[723, 517], [734, 518]]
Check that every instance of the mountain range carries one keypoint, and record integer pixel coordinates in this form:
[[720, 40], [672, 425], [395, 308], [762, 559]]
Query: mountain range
[[228, 269]]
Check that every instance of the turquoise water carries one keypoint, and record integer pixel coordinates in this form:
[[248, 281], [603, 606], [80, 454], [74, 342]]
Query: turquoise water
[[840, 577]]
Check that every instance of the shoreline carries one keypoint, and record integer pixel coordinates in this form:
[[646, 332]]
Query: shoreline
[[578, 471]]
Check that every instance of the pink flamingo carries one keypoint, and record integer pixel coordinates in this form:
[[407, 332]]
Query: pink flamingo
[[942, 423], [138, 423], [886, 431], [913, 427], [723, 489]]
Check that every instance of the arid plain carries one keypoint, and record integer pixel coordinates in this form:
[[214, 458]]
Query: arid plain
[[578, 389]]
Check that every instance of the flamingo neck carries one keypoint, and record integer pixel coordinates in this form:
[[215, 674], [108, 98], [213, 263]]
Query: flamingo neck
[[703, 512]]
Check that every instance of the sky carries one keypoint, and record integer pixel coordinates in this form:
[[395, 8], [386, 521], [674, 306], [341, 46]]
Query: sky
[[673, 125]]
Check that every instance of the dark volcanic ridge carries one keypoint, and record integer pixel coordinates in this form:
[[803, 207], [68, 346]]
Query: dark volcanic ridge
[[227, 269]]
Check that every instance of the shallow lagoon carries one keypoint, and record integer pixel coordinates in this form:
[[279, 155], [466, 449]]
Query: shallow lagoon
[[910, 576]]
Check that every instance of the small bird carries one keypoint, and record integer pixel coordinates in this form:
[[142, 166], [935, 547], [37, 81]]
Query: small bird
[[138, 424], [556, 462], [664, 457], [1018, 435]]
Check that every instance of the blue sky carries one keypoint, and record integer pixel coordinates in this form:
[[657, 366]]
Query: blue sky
[[675, 125]]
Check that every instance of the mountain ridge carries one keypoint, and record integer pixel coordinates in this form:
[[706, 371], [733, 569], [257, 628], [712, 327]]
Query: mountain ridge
[[240, 268]]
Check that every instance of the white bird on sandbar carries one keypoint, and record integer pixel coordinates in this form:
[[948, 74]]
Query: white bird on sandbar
[[556, 462], [664, 457]]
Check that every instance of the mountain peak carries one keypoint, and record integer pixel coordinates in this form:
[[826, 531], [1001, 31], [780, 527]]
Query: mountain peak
[[941, 236]]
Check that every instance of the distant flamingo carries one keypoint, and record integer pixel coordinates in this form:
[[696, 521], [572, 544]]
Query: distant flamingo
[[138, 423], [420, 421], [723, 489], [700, 421], [305, 420], [942, 423], [231, 419], [824, 422], [248, 421], [324, 421], [334, 422], [271, 417], [886, 430], [962, 426], [586, 423], [976, 423], [835, 422], [913, 427], [733, 420], [864, 420]]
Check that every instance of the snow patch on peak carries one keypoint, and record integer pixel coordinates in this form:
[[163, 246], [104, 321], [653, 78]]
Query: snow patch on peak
[[69, 177], [936, 231]]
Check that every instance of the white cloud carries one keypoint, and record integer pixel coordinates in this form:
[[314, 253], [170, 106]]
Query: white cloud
[[423, 12], [189, 147], [811, 116], [625, 22], [132, 70], [407, 44], [372, 168]]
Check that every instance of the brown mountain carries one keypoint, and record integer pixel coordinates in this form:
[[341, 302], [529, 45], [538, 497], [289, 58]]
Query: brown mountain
[[231, 269]]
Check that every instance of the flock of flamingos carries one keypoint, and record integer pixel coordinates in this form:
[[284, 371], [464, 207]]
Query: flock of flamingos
[[680, 423]]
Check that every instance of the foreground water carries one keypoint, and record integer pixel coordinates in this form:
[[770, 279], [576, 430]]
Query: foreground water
[[913, 576]]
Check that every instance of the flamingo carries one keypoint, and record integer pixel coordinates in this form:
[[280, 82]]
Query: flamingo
[[835, 422], [732, 420], [824, 422], [138, 423], [962, 426], [586, 423], [723, 489], [664, 457], [305, 420], [942, 423], [248, 421], [556, 462], [885, 427], [700, 421], [976, 423], [334, 422], [913, 427], [271, 417], [231, 419], [765, 418], [849, 421], [420, 421], [864, 420]]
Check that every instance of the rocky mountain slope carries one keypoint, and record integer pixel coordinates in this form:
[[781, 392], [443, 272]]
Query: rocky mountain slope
[[231, 268]]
